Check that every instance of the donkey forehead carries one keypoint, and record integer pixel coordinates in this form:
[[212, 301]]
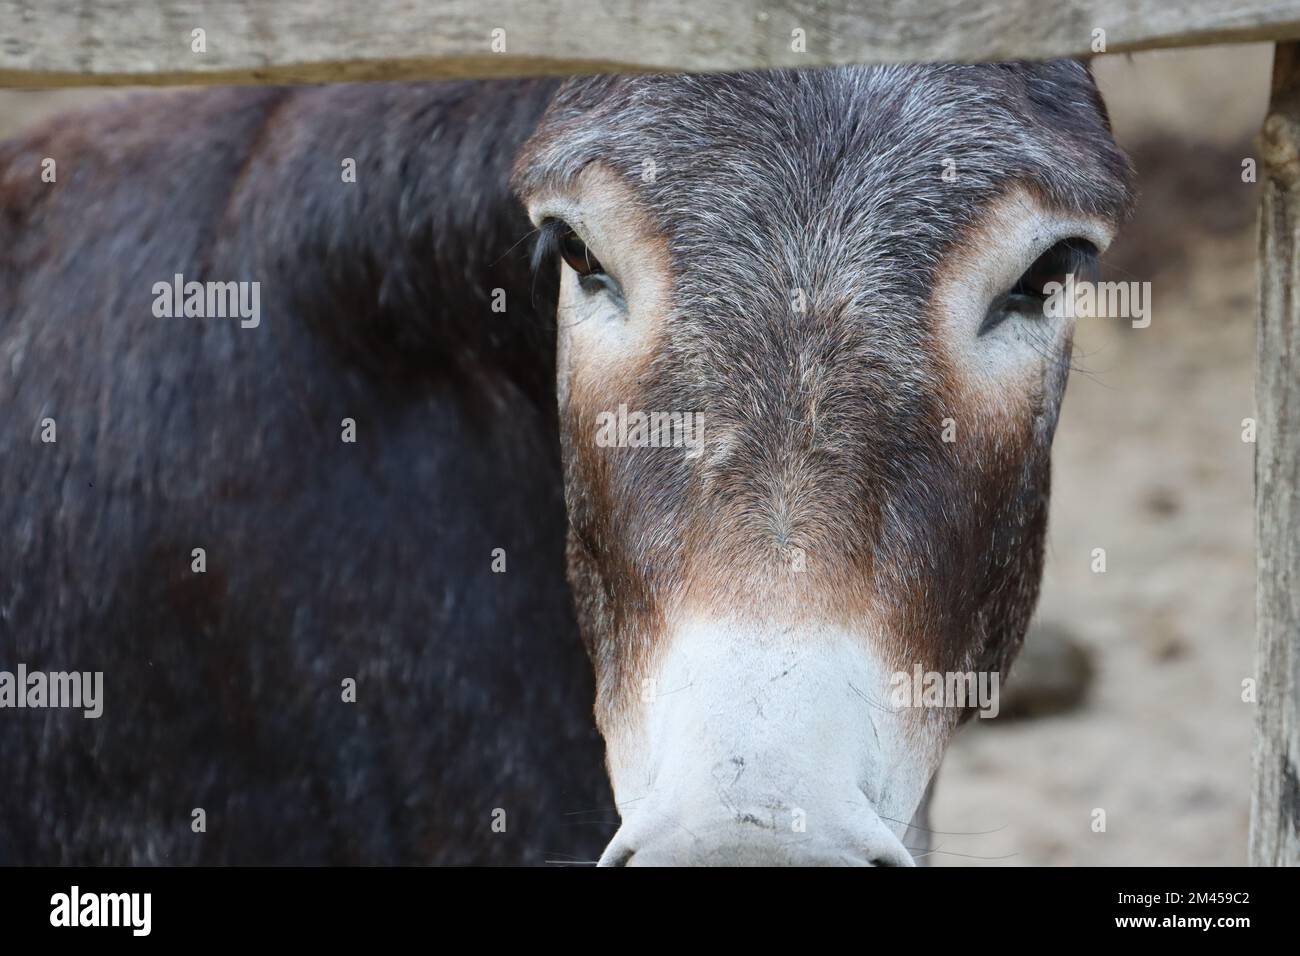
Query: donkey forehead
[[859, 166]]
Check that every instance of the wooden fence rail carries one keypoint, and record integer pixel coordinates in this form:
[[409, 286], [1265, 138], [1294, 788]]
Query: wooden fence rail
[[75, 43]]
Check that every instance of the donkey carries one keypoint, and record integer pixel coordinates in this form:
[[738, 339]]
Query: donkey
[[841, 272], [228, 733], [844, 272]]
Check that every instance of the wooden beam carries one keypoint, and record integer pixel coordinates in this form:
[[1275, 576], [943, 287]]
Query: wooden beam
[[1275, 805], [111, 42]]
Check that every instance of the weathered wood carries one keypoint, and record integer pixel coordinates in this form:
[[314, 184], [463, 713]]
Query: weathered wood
[[71, 42], [1275, 806]]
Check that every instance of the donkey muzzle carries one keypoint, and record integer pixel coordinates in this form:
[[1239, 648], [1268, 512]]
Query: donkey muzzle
[[766, 746]]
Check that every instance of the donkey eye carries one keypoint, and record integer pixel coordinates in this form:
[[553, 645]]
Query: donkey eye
[[1076, 257], [1068, 257], [558, 238], [576, 254]]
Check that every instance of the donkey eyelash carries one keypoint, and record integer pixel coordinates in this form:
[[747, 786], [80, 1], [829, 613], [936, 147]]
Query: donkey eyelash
[[558, 240], [547, 246], [1074, 256]]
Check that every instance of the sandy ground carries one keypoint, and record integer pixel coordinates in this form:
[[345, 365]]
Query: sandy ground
[[1149, 464]]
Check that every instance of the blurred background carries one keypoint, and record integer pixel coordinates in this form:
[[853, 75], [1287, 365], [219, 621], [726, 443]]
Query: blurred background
[[1127, 698]]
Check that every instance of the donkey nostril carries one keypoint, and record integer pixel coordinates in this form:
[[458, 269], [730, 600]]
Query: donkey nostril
[[890, 856], [622, 858]]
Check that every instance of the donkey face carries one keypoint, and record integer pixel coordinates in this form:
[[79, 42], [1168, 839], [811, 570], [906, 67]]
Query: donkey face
[[839, 275]]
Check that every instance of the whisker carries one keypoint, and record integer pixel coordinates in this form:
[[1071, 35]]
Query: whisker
[[973, 856], [590, 823], [572, 862], [571, 813], [515, 245], [943, 832], [868, 699]]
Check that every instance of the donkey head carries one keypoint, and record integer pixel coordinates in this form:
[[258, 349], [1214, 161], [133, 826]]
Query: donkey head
[[807, 391]]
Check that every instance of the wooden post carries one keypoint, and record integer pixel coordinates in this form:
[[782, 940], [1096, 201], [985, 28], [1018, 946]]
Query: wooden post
[[1275, 805]]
